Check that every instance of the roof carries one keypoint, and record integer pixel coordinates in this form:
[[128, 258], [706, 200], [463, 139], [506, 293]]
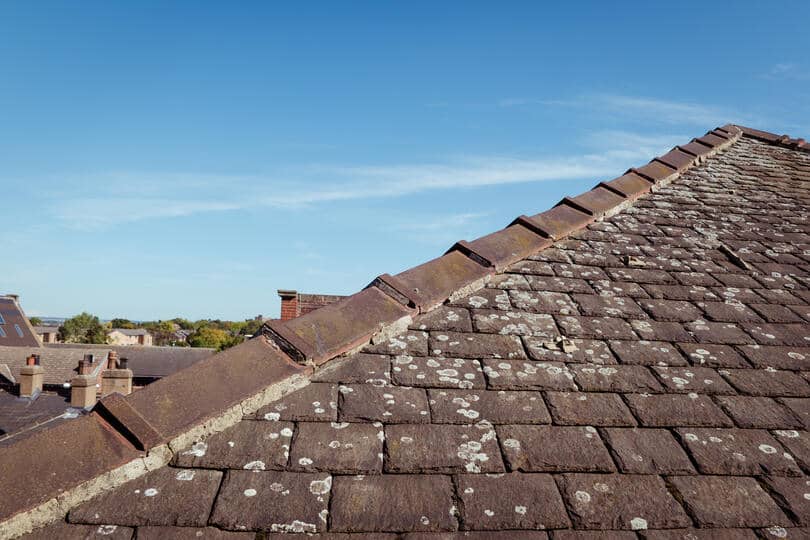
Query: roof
[[15, 330], [631, 363], [22, 414], [149, 362], [60, 364], [130, 331]]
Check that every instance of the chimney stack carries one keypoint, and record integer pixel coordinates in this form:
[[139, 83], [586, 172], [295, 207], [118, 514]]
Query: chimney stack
[[83, 386], [31, 377], [116, 378], [289, 304], [86, 365]]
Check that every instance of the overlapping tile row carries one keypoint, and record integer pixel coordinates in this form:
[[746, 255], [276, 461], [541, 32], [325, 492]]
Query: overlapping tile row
[[647, 376]]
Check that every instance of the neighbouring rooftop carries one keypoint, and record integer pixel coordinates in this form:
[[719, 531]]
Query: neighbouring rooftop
[[634, 363]]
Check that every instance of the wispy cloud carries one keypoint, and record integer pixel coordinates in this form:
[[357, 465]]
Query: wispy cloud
[[327, 184], [788, 71], [651, 110]]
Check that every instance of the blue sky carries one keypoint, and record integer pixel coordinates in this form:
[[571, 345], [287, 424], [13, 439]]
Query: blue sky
[[162, 159]]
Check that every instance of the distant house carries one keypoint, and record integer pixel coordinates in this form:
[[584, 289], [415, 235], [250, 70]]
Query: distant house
[[295, 304], [47, 334], [181, 336], [15, 330], [127, 336]]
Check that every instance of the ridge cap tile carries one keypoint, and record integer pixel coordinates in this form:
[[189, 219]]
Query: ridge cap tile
[[338, 328], [71, 452]]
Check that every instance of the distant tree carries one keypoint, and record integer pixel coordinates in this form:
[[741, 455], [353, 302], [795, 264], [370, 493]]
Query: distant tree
[[35, 321], [162, 331], [251, 327], [83, 328], [211, 337], [185, 324], [122, 323]]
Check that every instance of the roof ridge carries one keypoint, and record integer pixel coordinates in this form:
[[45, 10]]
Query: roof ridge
[[141, 431], [785, 141]]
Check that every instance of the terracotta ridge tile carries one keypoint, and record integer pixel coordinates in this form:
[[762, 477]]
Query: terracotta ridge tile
[[785, 141], [338, 328], [127, 421]]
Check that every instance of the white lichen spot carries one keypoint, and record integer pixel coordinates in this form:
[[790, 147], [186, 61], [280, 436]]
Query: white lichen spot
[[254, 466], [767, 449], [489, 513], [249, 492], [638, 524], [520, 510], [272, 416], [151, 492], [304, 461], [185, 475], [198, 449], [511, 443], [106, 530], [320, 487], [286, 432], [583, 496]]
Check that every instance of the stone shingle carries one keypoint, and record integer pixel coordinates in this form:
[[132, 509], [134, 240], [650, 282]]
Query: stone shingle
[[728, 501], [508, 375], [588, 409], [744, 452], [273, 501], [511, 501], [316, 402], [395, 502], [167, 496], [647, 451], [458, 345], [767, 382], [621, 501], [647, 353], [364, 402], [338, 447], [498, 407], [595, 378], [442, 448], [554, 449], [758, 412], [438, 372], [666, 410], [583, 351], [247, 445]]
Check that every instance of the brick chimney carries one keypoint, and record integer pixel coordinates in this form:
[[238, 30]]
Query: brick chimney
[[83, 387], [289, 304], [116, 378], [31, 377]]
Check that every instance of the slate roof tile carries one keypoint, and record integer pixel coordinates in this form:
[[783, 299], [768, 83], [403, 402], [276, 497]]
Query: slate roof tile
[[167, 496], [511, 501], [497, 407], [647, 451], [273, 501], [554, 449], [393, 502], [621, 501], [728, 501]]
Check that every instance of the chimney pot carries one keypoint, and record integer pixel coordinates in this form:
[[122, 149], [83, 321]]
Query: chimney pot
[[31, 377], [112, 360], [116, 378]]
